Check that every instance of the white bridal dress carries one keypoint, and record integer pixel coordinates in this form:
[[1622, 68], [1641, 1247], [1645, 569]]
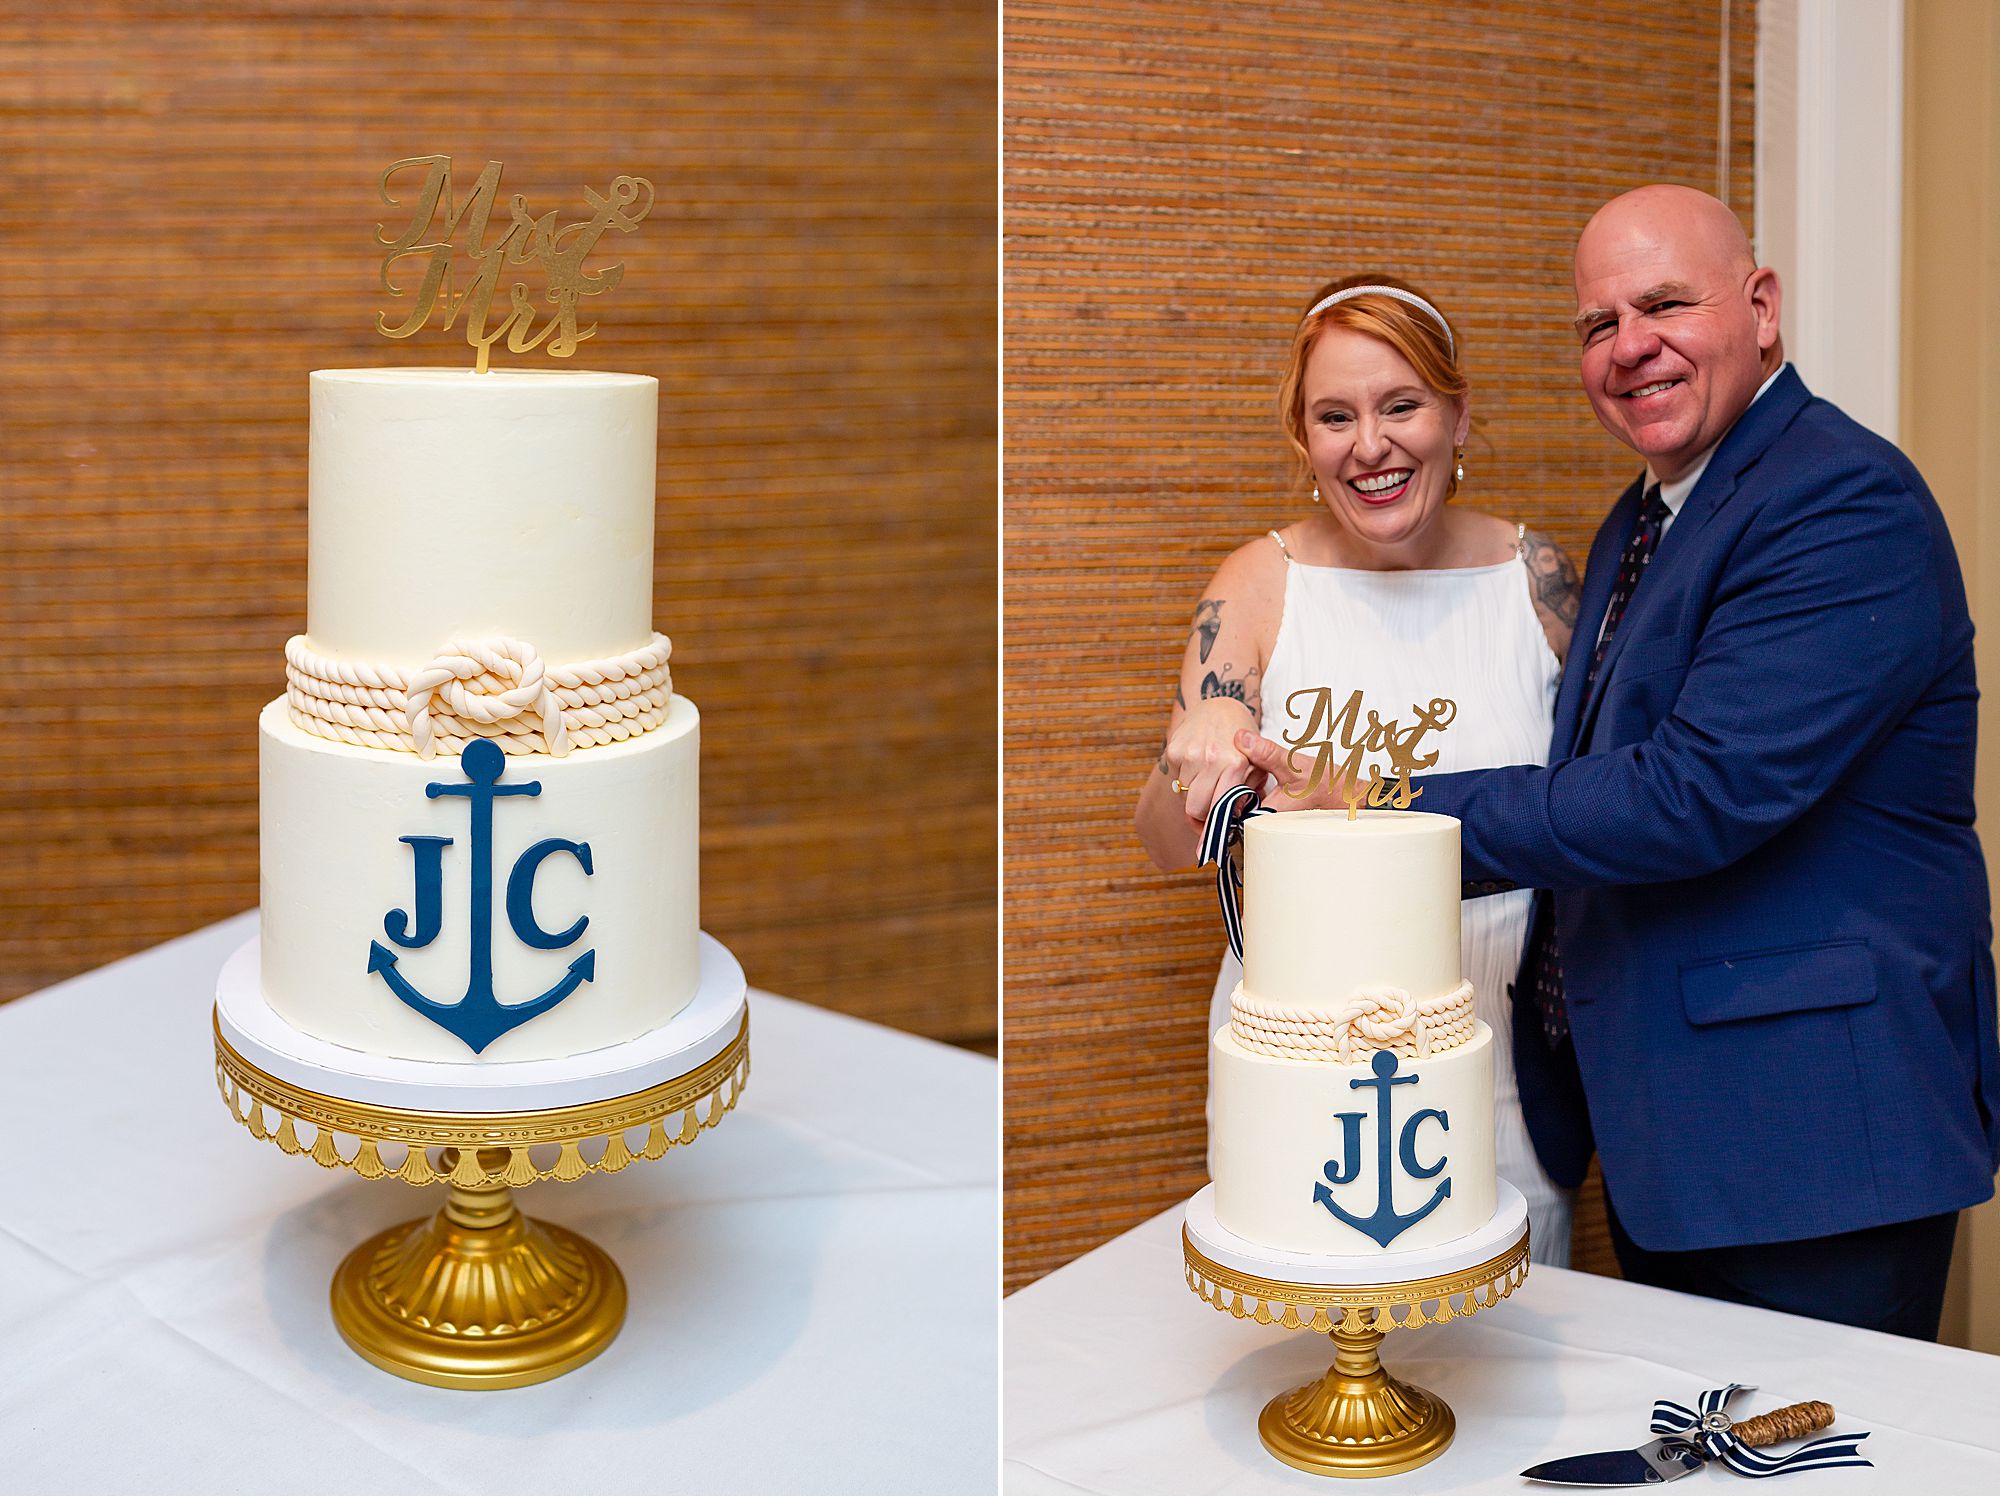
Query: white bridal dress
[[1401, 638]]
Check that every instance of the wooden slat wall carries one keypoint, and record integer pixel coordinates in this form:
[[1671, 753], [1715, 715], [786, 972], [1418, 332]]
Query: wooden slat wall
[[187, 203], [1178, 179]]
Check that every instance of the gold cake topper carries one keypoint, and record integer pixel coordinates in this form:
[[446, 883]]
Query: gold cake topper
[[1332, 734], [560, 250]]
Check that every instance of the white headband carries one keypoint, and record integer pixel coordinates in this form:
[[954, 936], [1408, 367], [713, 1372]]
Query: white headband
[[1399, 294]]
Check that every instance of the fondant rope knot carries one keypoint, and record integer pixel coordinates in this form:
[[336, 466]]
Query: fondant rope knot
[[1369, 1019], [481, 684], [499, 689]]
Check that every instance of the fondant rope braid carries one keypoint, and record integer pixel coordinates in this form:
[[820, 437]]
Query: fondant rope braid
[[500, 689], [1371, 1018]]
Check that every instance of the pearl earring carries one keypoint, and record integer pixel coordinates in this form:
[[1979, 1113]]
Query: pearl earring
[[1461, 465], [1315, 490]]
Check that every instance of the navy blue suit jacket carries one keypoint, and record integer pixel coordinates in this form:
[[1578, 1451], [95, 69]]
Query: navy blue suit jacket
[[1771, 905]]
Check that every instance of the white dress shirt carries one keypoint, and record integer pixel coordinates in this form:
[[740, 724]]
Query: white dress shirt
[[1674, 494]]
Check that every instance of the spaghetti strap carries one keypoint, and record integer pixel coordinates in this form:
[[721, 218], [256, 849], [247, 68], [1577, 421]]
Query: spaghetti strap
[[1287, 550]]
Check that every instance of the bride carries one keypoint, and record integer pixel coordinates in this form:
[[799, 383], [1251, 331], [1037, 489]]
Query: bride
[[1388, 588]]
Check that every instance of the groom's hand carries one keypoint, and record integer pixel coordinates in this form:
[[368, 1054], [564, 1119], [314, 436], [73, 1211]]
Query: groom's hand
[[1283, 784]]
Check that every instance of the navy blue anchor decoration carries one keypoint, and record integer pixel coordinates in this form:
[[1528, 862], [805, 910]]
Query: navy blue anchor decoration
[[1384, 1226], [479, 1017]]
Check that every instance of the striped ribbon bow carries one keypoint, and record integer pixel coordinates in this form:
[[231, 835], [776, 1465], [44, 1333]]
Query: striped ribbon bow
[[1223, 830], [1708, 1430]]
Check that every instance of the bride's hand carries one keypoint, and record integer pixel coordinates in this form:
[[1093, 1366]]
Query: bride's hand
[[1202, 753], [1273, 761]]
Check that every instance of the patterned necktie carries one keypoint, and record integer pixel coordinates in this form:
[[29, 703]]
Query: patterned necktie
[[1542, 971], [1639, 550]]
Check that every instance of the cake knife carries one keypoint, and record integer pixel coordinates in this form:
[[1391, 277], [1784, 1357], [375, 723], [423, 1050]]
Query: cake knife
[[1679, 1454]]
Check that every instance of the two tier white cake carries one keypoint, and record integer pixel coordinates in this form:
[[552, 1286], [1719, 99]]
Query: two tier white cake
[[1352, 1089], [479, 793]]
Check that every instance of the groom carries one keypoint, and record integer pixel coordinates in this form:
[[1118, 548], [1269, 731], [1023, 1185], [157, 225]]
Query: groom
[[1760, 983]]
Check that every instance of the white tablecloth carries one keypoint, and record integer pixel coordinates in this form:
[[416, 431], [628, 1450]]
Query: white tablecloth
[[812, 1283], [1120, 1382]]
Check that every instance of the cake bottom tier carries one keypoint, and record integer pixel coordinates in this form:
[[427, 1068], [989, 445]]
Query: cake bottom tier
[[1303, 1161], [347, 921]]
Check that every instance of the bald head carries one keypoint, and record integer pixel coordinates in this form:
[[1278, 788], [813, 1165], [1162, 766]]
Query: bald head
[[1700, 227], [1678, 325]]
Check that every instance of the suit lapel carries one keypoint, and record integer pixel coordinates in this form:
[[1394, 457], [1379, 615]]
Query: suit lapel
[[1738, 452]]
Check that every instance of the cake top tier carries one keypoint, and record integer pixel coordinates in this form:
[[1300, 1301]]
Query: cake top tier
[[1333, 906], [448, 505], [492, 379], [1371, 824]]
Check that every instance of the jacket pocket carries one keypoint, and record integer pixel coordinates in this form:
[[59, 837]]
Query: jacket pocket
[[1839, 974]]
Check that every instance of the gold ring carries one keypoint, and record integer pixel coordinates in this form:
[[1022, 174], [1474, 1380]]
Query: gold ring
[[1179, 788]]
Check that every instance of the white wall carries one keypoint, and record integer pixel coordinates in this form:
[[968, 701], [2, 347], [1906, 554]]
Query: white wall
[[1830, 194], [1951, 420]]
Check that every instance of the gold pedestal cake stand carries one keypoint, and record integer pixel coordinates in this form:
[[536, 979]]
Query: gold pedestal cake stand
[[479, 1295], [1357, 1420]]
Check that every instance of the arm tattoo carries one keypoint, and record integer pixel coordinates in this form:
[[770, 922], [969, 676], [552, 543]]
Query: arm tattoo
[[1180, 700], [1208, 624], [1223, 681], [1163, 766], [1553, 578]]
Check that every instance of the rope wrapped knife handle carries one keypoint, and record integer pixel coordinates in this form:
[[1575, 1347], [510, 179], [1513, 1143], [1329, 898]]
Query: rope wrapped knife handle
[[1709, 1429], [1224, 829]]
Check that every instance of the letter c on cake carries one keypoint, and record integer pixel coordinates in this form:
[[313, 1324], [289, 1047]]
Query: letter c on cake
[[521, 894], [1406, 1146]]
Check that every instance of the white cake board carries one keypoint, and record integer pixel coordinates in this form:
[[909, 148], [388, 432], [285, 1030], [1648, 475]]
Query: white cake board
[[692, 1037], [1509, 1223]]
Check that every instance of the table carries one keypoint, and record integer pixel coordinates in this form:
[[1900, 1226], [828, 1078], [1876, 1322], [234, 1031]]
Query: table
[[1120, 1382], [812, 1284]]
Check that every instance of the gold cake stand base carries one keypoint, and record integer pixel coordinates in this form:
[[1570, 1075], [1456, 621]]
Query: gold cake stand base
[[479, 1295], [1357, 1421]]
